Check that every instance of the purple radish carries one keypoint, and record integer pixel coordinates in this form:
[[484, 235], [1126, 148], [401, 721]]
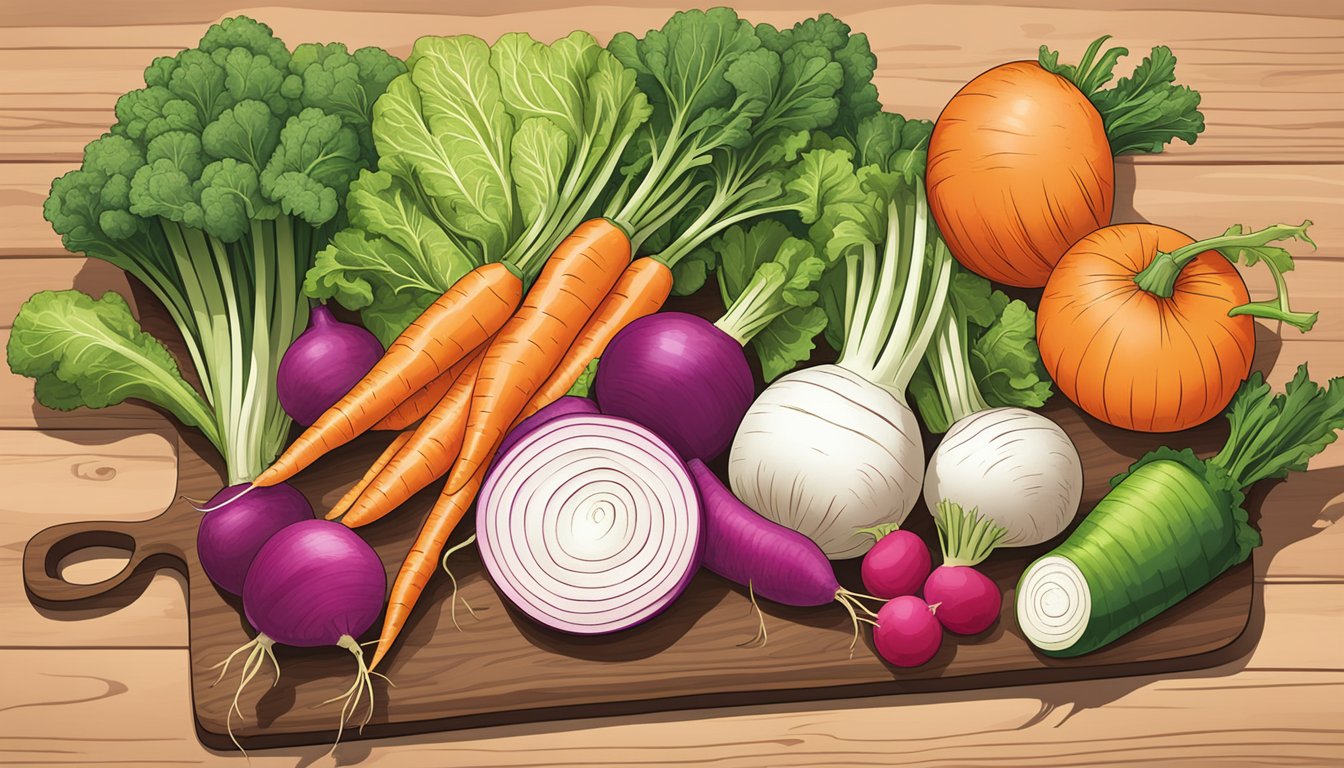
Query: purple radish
[[907, 633], [775, 562], [323, 364], [897, 564], [314, 583], [680, 376], [965, 600], [232, 532]]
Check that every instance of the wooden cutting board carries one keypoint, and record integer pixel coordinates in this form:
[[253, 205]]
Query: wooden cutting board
[[501, 668]]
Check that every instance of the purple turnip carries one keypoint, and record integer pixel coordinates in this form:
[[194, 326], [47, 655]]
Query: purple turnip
[[897, 564], [238, 524], [967, 602], [907, 633], [314, 583], [680, 376], [323, 363]]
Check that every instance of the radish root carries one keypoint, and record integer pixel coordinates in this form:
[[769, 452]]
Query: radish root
[[259, 649], [452, 601], [363, 683], [853, 603], [762, 636], [224, 503]]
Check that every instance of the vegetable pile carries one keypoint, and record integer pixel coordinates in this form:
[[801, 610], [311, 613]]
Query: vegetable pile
[[220, 180], [506, 220]]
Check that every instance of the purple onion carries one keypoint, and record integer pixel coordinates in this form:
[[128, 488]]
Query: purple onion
[[680, 376], [590, 524], [232, 532], [324, 362], [564, 406], [314, 583]]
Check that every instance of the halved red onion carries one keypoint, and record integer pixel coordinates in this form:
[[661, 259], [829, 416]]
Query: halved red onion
[[590, 524]]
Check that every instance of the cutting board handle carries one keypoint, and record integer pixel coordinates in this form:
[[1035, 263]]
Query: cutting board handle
[[152, 544]]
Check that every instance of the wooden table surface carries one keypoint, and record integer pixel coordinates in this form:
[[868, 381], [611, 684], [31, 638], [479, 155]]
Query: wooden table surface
[[111, 687]]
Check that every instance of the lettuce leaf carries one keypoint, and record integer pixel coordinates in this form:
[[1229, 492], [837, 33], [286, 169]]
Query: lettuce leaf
[[92, 353]]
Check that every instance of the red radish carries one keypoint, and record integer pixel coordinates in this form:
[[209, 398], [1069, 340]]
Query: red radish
[[323, 364], [907, 634], [314, 583], [897, 564], [966, 600], [773, 561], [237, 525]]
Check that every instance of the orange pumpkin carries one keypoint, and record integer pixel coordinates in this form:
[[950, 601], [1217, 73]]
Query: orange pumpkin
[[1019, 169], [1131, 357]]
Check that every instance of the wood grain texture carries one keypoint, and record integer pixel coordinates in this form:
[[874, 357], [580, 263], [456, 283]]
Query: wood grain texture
[[132, 709], [508, 670], [1272, 79], [59, 476], [1273, 96]]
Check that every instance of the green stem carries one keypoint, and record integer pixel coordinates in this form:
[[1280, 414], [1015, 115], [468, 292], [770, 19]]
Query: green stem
[[1159, 277], [966, 537], [754, 308]]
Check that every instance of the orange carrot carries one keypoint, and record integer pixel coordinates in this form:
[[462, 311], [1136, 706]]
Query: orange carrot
[[424, 399], [349, 498], [640, 291], [423, 558], [459, 321], [576, 278], [426, 457]]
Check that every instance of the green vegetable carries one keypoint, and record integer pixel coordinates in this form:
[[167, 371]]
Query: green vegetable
[[489, 153], [215, 187], [766, 281], [983, 356], [1173, 522], [734, 108], [1142, 113], [584, 384]]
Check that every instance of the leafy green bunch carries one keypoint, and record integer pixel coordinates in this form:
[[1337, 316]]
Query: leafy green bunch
[[489, 153], [734, 107], [219, 181]]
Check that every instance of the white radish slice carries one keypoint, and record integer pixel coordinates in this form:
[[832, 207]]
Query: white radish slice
[[1054, 603], [590, 524]]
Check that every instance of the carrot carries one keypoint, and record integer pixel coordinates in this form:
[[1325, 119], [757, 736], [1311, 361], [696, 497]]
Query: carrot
[[641, 290], [1146, 329], [457, 322], [426, 457], [423, 558], [1020, 162], [577, 276], [424, 399], [358, 488]]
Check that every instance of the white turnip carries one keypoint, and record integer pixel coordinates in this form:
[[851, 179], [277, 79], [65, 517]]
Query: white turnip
[[833, 449], [1016, 466]]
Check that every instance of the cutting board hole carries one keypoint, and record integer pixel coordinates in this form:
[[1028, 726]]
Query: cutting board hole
[[93, 564]]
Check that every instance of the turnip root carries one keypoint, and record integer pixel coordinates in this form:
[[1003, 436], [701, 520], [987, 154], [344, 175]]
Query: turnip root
[[1016, 467], [827, 453]]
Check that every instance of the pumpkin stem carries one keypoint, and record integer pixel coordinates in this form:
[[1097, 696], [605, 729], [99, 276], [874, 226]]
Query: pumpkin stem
[[1236, 245]]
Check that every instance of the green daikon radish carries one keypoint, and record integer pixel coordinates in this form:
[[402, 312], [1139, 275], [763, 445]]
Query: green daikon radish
[[1173, 522]]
